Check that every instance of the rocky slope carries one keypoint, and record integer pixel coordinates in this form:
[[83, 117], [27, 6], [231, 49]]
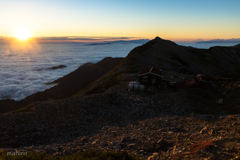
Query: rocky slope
[[162, 124]]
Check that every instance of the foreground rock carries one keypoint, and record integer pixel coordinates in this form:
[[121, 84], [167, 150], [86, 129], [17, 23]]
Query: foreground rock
[[158, 138], [150, 126]]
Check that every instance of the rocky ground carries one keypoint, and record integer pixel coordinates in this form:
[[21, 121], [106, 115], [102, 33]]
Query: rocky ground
[[159, 138], [160, 125]]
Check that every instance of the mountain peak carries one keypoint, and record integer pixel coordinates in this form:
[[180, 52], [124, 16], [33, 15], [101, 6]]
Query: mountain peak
[[157, 38]]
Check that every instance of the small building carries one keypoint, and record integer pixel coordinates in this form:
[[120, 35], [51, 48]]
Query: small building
[[150, 77], [192, 82], [188, 83]]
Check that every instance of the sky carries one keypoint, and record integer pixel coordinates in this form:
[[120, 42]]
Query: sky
[[169, 19]]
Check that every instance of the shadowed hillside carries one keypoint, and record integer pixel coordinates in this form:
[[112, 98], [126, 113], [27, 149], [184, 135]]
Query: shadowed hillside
[[67, 85], [164, 54], [170, 57]]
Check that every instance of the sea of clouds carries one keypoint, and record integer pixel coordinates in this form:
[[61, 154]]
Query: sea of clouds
[[25, 70]]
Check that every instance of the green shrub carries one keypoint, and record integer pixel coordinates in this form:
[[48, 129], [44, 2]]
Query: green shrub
[[97, 89], [23, 109], [143, 48], [179, 59], [109, 83], [185, 70]]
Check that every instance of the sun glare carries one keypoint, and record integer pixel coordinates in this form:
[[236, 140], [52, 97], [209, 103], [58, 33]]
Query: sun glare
[[22, 33]]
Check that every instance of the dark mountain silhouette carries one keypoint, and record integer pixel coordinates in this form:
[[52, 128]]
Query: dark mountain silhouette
[[158, 53], [167, 55]]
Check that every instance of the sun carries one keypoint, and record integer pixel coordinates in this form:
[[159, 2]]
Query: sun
[[22, 33]]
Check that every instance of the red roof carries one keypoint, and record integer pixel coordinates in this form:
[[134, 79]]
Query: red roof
[[152, 70], [193, 81]]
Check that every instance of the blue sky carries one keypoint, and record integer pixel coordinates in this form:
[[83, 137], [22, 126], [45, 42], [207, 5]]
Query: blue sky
[[171, 19]]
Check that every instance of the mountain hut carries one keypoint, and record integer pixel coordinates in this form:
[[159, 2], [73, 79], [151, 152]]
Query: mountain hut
[[194, 82], [151, 77]]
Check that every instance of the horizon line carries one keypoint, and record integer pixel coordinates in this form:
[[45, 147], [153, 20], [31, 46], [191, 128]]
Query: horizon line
[[107, 38]]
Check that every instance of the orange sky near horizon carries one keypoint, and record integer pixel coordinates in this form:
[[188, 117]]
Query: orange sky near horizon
[[173, 20]]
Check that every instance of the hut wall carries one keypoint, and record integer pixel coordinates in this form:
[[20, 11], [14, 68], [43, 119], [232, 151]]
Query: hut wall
[[150, 80]]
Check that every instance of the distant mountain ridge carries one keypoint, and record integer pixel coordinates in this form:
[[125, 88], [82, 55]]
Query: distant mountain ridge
[[140, 41], [233, 40]]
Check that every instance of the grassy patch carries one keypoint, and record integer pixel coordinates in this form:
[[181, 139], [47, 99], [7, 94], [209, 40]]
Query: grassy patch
[[160, 61], [131, 66], [131, 69], [143, 48], [109, 83], [175, 64], [95, 90], [199, 53], [85, 89], [90, 155], [114, 75], [184, 71], [110, 77], [174, 56], [23, 109]]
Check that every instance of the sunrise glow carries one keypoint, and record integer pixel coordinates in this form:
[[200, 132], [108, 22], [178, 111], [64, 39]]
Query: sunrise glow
[[173, 20], [22, 33]]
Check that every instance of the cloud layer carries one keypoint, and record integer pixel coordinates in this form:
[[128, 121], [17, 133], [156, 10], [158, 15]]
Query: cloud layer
[[68, 39], [25, 70]]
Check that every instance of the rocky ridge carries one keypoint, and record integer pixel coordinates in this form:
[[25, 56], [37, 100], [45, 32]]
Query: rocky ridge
[[161, 124]]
